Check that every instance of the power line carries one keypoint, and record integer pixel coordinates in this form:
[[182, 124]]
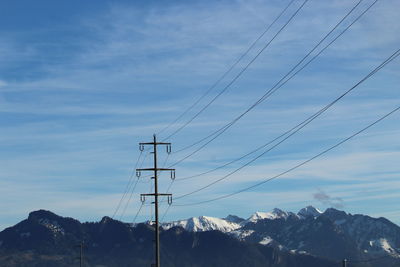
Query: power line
[[127, 185], [169, 204], [222, 128], [165, 213], [310, 118], [141, 164], [137, 213], [306, 122], [143, 204], [151, 188], [277, 86], [129, 199], [167, 191], [247, 154], [132, 189], [151, 214], [238, 75], [295, 167], [226, 72]]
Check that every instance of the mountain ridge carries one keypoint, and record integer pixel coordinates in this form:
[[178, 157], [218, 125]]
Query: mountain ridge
[[310, 236], [358, 236]]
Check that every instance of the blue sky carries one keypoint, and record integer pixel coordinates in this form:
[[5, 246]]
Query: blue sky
[[81, 83]]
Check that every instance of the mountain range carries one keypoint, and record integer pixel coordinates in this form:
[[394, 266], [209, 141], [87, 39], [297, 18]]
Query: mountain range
[[277, 238]]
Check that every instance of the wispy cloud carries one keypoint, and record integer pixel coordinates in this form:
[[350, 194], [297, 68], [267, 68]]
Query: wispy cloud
[[72, 111], [325, 199]]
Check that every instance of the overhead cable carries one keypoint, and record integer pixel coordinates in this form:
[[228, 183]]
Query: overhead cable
[[132, 190], [128, 185], [277, 86], [293, 168], [306, 122], [227, 71], [237, 75]]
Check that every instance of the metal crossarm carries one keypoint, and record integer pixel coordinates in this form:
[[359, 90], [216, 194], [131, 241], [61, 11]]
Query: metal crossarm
[[152, 143], [159, 194], [153, 169]]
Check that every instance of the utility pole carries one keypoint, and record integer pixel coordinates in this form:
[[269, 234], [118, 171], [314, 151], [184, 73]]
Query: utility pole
[[155, 169], [344, 263], [81, 246]]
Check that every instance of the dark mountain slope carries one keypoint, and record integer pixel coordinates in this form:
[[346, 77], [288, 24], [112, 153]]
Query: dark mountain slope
[[46, 239]]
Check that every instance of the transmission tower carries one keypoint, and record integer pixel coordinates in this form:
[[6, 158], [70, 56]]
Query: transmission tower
[[155, 170]]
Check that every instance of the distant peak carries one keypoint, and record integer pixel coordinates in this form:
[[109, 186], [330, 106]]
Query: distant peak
[[309, 211], [259, 216], [105, 219], [42, 214], [278, 211], [234, 219], [274, 214], [335, 212]]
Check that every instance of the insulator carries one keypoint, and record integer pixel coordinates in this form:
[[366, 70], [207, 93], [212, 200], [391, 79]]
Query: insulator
[[169, 149], [173, 174], [138, 173], [141, 147], [169, 200], [142, 198]]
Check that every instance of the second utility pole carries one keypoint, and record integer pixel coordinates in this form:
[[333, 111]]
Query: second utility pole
[[156, 194], [81, 247]]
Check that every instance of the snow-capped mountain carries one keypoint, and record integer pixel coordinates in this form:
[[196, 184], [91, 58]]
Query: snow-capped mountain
[[227, 224], [233, 222], [203, 223], [309, 211], [274, 214], [332, 234]]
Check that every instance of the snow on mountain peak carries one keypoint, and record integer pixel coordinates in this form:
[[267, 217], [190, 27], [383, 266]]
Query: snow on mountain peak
[[281, 214], [373, 236], [309, 211], [203, 223], [260, 216], [274, 214], [232, 222]]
